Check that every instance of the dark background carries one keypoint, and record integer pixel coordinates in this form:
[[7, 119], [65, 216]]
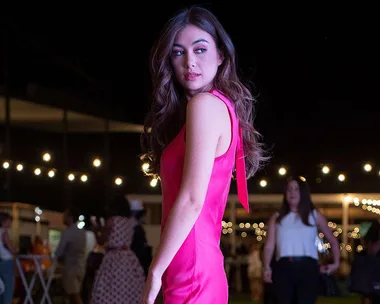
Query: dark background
[[314, 68]]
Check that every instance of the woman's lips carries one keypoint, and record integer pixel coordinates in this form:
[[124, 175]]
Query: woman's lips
[[191, 76]]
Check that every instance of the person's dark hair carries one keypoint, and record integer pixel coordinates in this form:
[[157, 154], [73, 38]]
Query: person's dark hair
[[167, 114], [139, 214], [306, 205], [73, 212], [118, 206]]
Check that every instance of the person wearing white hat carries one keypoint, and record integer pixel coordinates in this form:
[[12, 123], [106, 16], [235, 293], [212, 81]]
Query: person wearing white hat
[[136, 205]]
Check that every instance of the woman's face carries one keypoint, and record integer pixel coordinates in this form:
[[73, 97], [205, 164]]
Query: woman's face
[[195, 59], [293, 194]]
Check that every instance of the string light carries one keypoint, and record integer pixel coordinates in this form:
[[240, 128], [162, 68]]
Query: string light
[[97, 162], [367, 167], [368, 204], [341, 177], [46, 157], [348, 199], [325, 170], [81, 223], [256, 229], [153, 182], [145, 167], [38, 213], [51, 173], [282, 171], [263, 183], [118, 181]]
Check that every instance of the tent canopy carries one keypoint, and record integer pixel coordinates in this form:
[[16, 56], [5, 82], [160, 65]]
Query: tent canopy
[[43, 109]]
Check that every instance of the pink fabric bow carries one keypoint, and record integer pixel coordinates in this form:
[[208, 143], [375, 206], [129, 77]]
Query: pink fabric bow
[[241, 176]]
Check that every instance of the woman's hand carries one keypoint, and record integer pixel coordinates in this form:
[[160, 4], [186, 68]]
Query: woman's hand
[[329, 269], [151, 289], [268, 275]]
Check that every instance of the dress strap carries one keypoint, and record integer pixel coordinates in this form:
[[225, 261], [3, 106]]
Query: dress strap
[[241, 176]]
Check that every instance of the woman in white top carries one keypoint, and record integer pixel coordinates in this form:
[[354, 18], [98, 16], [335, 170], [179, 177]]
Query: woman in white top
[[292, 234]]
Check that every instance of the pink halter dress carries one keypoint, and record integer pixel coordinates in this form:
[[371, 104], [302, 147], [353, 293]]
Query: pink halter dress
[[196, 274]]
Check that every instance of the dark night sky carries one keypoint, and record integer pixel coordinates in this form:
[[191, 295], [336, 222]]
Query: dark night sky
[[315, 69]]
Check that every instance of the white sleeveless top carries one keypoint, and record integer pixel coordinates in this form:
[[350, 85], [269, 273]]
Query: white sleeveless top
[[294, 238], [5, 254]]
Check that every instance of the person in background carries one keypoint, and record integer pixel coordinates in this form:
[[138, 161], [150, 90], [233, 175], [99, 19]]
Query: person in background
[[292, 233], [40, 248], [140, 244], [255, 276], [90, 239], [7, 253], [94, 258], [372, 241], [120, 277], [71, 254]]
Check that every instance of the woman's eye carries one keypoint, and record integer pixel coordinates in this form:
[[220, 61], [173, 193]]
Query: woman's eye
[[177, 53], [200, 50]]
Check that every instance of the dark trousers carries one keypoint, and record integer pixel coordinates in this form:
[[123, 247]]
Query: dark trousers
[[296, 280], [8, 277], [269, 294]]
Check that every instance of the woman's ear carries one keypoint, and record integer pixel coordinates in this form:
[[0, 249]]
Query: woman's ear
[[220, 58]]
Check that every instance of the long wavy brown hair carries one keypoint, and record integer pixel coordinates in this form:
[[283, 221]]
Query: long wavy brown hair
[[167, 114]]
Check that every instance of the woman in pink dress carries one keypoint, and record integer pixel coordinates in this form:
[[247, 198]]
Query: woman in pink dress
[[200, 122]]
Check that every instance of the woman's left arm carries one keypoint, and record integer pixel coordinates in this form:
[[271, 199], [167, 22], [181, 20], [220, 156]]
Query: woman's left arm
[[204, 117], [326, 230]]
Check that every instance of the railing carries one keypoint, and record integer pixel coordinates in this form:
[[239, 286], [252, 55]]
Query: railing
[[45, 277]]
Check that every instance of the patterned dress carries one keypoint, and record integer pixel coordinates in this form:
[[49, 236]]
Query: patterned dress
[[120, 278]]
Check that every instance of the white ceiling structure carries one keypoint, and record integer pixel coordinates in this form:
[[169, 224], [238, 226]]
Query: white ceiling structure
[[46, 114], [48, 118]]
